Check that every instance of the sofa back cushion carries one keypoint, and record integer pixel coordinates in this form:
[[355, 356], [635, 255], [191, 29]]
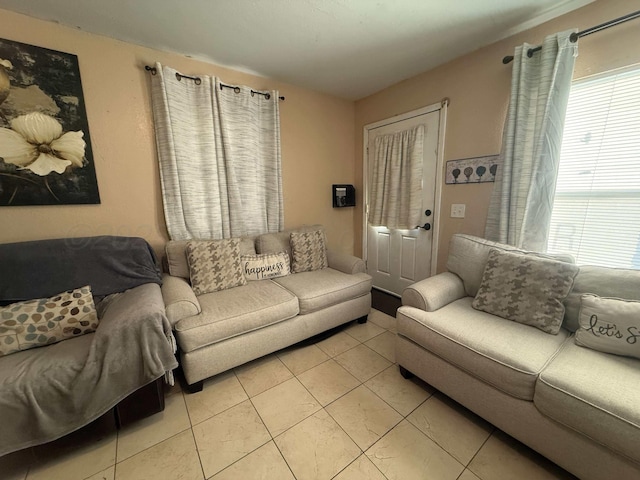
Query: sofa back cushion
[[280, 241], [601, 281], [176, 252], [468, 257]]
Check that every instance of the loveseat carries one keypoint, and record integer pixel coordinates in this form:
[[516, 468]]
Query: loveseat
[[102, 294], [219, 330], [577, 406]]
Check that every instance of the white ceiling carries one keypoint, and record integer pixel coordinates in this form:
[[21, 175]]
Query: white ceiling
[[348, 48]]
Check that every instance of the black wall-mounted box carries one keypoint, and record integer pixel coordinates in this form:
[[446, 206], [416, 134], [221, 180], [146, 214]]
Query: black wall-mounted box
[[343, 196]]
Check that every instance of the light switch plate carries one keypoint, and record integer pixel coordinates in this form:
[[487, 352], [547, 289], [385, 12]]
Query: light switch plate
[[457, 210]]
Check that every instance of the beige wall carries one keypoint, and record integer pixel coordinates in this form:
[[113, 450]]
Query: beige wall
[[317, 134], [478, 87]]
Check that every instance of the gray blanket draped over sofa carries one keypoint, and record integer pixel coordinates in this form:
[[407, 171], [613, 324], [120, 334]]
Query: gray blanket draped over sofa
[[50, 391]]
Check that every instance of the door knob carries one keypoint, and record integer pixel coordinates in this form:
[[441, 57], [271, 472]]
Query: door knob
[[426, 226]]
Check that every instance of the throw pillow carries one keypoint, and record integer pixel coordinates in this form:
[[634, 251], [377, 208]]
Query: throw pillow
[[610, 325], [267, 265], [526, 289], [308, 251], [35, 323], [214, 265]]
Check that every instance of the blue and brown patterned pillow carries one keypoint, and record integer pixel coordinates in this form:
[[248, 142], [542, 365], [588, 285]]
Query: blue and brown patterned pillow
[[214, 265], [308, 251], [40, 322], [525, 288]]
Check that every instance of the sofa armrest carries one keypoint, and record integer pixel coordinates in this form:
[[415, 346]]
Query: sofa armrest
[[345, 263], [179, 300], [434, 292]]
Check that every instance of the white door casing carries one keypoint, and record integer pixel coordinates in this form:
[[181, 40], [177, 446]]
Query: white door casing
[[398, 258]]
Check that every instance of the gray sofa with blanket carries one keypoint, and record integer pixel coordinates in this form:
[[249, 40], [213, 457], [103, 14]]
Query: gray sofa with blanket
[[52, 390], [223, 329], [577, 406]]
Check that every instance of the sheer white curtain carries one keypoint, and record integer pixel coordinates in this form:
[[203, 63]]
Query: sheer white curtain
[[219, 154], [396, 179], [522, 201]]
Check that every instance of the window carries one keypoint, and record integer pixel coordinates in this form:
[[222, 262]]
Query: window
[[596, 212]]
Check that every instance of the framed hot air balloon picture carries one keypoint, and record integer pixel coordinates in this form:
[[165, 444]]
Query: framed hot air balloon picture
[[45, 147], [472, 170]]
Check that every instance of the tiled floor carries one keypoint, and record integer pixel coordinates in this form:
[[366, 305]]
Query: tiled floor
[[334, 409]]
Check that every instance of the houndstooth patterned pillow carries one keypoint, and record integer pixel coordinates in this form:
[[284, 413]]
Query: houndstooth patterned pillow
[[308, 251], [40, 322], [214, 265], [526, 289]]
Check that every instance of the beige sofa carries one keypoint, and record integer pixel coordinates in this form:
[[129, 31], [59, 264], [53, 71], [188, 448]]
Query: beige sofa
[[221, 330], [576, 406]]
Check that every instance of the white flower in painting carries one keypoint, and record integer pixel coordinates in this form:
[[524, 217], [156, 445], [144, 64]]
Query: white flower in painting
[[35, 142]]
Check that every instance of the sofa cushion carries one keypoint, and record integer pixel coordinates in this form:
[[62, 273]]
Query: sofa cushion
[[176, 255], [235, 311], [602, 281], [526, 289], [265, 266], [610, 325], [214, 265], [323, 288], [594, 393], [308, 251], [507, 355], [280, 241], [468, 257]]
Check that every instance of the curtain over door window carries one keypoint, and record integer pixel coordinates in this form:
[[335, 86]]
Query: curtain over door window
[[219, 154], [396, 179]]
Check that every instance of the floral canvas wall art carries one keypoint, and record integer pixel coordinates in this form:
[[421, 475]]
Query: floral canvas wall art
[[45, 149]]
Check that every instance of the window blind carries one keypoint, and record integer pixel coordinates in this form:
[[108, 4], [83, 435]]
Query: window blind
[[596, 212]]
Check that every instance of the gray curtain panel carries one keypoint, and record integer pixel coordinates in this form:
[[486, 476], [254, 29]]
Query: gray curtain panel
[[396, 179], [522, 200], [219, 154]]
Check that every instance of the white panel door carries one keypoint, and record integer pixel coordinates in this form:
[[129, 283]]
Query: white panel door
[[397, 258]]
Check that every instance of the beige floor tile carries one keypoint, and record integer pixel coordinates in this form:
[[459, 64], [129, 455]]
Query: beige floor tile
[[360, 469], [337, 343], [503, 458], [76, 456], [300, 359], [384, 344], [453, 427], [317, 448], [262, 374], [364, 416], [149, 431], [174, 458], [107, 474], [265, 463], [285, 405], [362, 362], [228, 437], [15, 466], [328, 381], [402, 394], [405, 453], [468, 475], [219, 393], [383, 320], [363, 331]]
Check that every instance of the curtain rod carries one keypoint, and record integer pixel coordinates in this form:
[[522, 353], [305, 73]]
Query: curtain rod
[[575, 36], [198, 81]]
